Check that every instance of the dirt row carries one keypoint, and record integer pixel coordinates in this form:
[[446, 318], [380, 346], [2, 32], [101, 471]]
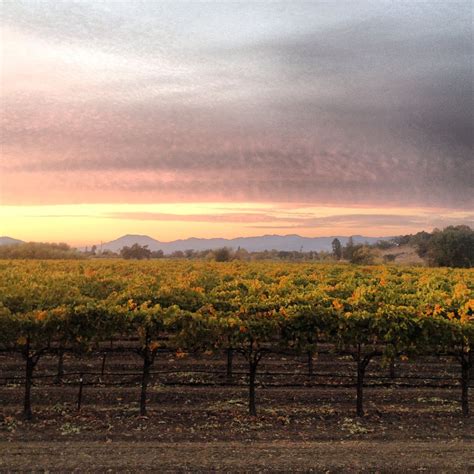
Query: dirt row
[[201, 426], [277, 456]]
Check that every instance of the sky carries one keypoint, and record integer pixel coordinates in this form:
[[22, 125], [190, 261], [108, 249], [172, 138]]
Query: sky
[[227, 119]]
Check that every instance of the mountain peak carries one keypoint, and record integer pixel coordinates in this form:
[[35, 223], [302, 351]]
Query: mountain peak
[[133, 236], [5, 240], [292, 242]]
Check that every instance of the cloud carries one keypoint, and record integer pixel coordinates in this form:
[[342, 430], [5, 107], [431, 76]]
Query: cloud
[[355, 105], [275, 220], [243, 218], [381, 221]]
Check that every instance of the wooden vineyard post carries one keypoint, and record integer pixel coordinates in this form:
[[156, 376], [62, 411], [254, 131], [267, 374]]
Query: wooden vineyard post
[[148, 358], [79, 395], [252, 376], [392, 371], [471, 363], [102, 369], [60, 370], [465, 369], [310, 363], [229, 371], [27, 413]]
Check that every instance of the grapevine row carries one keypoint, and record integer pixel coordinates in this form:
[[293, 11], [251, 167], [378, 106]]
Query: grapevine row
[[250, 308]]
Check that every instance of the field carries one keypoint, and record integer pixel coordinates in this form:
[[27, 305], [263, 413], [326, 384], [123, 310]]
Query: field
[[344, 379], [199, 420]]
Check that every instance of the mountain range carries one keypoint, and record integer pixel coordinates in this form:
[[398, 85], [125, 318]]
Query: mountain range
[[291, 242], [4, 240]]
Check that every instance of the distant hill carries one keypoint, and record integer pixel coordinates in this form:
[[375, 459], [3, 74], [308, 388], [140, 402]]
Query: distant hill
[[4, 240], [403, 254], [252, 244], [127, 241]]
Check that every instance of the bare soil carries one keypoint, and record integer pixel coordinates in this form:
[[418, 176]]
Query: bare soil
[[197, 422]]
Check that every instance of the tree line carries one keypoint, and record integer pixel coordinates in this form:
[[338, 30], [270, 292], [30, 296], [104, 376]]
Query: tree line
[[450, 247]]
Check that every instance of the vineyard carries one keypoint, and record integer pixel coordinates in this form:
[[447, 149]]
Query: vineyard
[[184, 352], [253, 311]]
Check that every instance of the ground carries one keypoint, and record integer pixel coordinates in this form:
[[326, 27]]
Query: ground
[[279, 456], [198, 422], [403, 254]]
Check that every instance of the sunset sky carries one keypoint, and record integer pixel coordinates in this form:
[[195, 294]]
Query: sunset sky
[[229, 119]]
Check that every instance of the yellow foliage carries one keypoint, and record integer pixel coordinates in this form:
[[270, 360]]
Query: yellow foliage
[[460, 291], [153, 346], [41, 315], [337, 305]]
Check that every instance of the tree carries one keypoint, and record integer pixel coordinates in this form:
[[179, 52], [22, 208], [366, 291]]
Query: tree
[[337, 249], [136, 251], [39, 250], [361, 255], [384, 244], [348, 249], [223, 254], [452, 247], [241, 254], [421, 241]]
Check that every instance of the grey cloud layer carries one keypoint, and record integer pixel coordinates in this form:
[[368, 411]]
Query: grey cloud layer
[[265, 219], [351, 104]]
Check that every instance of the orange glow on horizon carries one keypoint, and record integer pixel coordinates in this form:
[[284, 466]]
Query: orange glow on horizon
[[87, 224]]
